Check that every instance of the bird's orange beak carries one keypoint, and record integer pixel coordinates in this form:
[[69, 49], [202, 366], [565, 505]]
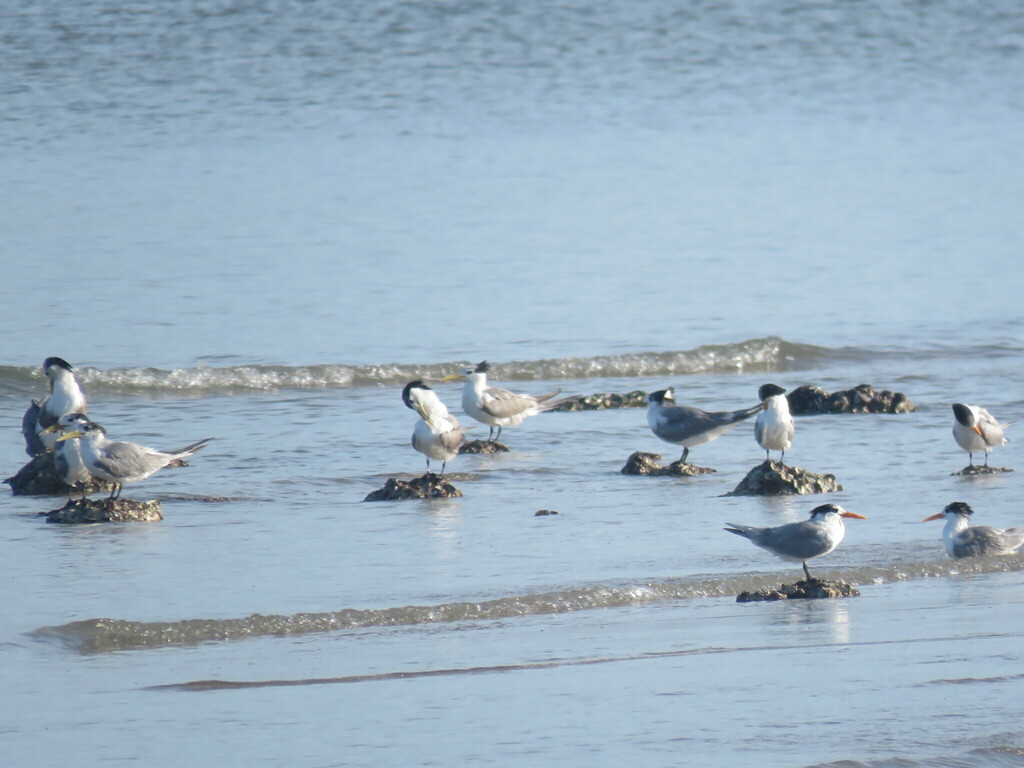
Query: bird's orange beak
[[854, 515], [938, 516], [977, 429]]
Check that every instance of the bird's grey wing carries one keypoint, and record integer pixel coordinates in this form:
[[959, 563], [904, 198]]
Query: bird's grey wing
[[191, 448], [546, 396], [991, 430], [678, 422], [452, 439], [743, 413], [29, 422], [801, 540], [981, 540], [503, 403], [129, 460], [759, 428]]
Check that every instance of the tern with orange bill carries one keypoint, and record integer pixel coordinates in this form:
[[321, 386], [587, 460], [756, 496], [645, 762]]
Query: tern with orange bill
[[975, 429], [802, 541], [963, 540]]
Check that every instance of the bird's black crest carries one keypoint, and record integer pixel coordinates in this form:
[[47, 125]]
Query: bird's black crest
[[963, 414], [824, 508], [416, 384], [769, 390], [960, 507], [60, 362], [660, 396], [92, 426], [482, 367]]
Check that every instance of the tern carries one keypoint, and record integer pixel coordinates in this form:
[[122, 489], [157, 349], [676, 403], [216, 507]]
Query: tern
[[686, 426], [976, 430], [962, 540], [122, 462], [437, 435], [66, 396], [497, 407], [774, 427], [803, 541], [67, 454]]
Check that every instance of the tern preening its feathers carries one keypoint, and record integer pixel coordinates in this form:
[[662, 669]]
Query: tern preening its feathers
[[803, 541], [437, 434], [975, 429], [66, 396], [497, 407], [686, 426], [963, 540], [774, 427]]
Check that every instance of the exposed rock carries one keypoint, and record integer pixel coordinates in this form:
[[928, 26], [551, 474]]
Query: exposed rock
[[430, 486], [602, 401], [483, 446], [544, 512], [815, 589], [647, 464], [975, 469], [773, 478], [105, 511], [809, 400], [39, 478]]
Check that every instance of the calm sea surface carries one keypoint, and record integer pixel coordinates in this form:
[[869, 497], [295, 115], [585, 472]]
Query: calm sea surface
[[258, 220]]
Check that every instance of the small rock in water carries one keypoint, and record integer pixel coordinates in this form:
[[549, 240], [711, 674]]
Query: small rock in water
[[602, 401], [544, 512], [430, 486], [815, 589], [39, 478], [82, 511], [483, 446], [808, 400], [773, 478], [974, 469], [640, 463]]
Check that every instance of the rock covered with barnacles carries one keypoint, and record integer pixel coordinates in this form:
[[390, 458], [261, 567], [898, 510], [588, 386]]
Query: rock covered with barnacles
[[79, 511], [808, 400], [602, 401], [40, 478], [485, 447], [640, 463], [812, 589], [984, 469], [430, 486], [773, 478]]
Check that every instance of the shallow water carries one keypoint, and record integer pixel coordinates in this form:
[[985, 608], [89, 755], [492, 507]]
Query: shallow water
[[257, 222]]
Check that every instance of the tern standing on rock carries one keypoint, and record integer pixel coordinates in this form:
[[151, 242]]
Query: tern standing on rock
[[803, 541], [497, 407], [121, 462], [961, 540], [66, 396], [686, 426], [774, 427], [975, 429], [437, 435]]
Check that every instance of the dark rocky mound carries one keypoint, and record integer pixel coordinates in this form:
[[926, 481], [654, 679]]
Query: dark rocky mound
[[647, 464], [773, 478], [808, 400], [430, 486], [39, 478], [975, 469], [105, 511], [602, 401], [815, 589], [483, 446]]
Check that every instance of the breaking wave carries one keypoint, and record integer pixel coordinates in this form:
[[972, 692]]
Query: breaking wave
[[106, 635], [767, 354]]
